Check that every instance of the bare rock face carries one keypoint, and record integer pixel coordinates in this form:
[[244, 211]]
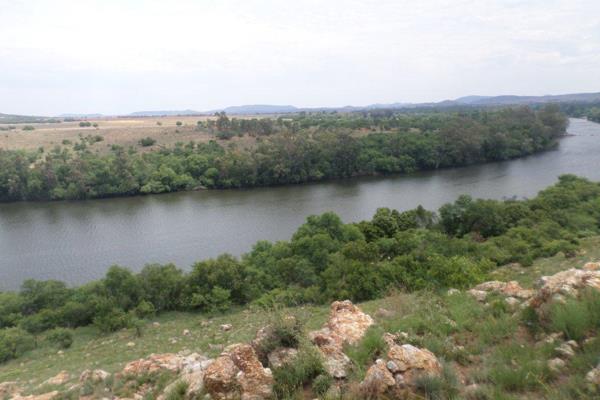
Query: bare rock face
[[397, 377], [281, 356], [61, 378], [166, 362], [593, 378], [94, 376], [238, 374], [511, 289], [591, 266], [9, 389], [347, 324], [564, 284]]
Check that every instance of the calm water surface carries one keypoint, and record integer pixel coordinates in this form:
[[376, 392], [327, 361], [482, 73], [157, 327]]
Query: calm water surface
[[77, 241]]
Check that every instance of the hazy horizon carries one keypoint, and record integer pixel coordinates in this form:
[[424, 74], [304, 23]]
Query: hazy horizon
[[114, 57]]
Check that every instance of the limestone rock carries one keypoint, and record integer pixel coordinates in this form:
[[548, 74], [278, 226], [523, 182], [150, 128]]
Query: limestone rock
[[237, 373], [9, 389], [593, 377], [413, 362], [94, 376], [378, 380], [60, 379], [564, 284], [479, 295], [282, 356], [46, 396], [347, 324], [556, 365], [591, 266], [512, 289], [226, 327], [566, 350]]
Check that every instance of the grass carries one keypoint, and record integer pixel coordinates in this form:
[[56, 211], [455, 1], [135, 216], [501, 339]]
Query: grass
[[490, 345]]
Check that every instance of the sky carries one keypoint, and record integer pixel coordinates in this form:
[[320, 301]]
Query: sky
[[120, 56]]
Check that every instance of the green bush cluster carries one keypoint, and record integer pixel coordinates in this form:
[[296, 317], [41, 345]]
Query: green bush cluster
[[307, 147]]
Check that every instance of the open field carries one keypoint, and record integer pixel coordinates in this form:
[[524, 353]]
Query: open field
[[125, 132]]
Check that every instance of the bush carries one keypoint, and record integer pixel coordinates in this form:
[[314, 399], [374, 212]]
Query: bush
[[85, 124], [145, 309], [29, 128], [365, 352], [14, 342], [147, 141], [61, 337], [112, 320], [321, 384], [178, 123]]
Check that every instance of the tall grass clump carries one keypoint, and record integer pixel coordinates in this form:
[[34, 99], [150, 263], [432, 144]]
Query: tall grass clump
[[291, 377], [577, 317]]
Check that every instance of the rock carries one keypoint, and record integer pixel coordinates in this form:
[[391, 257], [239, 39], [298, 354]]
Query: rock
[[94, 376], [564, 284], [593, 377], [347, 324], [60, 379], [479, 295], [452, 292], [384, 313], [378, 381], [46, 396], [552, 337], [512, 302], [591, 266], [165, 362], [471, 391], [237, 373], [397, 378], [512, 289], [556, 365], [282, 356], [130, 344], [186, 332], [226, 327], [9, 389], [565, 350], [156, 324], [413, 362]]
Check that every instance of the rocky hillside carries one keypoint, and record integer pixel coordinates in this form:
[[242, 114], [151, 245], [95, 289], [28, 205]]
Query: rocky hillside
[[498, 340]]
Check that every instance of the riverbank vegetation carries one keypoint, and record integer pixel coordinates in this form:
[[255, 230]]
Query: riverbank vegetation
[[295, 149], [325, 260]]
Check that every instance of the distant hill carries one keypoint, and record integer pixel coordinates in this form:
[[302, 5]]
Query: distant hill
[[24, 119], [511, 99], [81, 116]]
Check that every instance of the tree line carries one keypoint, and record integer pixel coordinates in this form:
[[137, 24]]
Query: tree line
[[301, 148], [327, 260]]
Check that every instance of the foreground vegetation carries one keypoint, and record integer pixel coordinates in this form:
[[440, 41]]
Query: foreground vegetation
[[489, 347], [325, 260], [299, 148]]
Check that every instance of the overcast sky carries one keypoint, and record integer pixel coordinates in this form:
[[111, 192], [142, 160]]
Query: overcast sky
[[119, 56]]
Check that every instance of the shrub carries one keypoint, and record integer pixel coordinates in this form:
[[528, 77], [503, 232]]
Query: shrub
[[43, 320], [61, 337], [321, 384], [145, 309], [29, 128], [111, 320], [14, 342], [158, 123], [178, 123], [444, 387], [147, 141], [85, 124]]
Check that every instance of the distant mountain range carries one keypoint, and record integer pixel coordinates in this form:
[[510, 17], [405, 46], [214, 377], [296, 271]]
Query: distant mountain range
[[461, 101], [254, 109]]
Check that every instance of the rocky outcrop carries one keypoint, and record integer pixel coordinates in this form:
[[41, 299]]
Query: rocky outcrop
[[510, 289], [59, 379], [397, 377], [593, 378], [347, 324], [46, 396], [282, 356], [562, 285], [9, 389], [238, 374], [93, 376]]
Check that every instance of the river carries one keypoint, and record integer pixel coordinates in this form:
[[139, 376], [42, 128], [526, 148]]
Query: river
[[77, 241]]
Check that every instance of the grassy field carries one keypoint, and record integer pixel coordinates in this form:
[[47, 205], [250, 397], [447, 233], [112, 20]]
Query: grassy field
[[485, 338], [120, 131]]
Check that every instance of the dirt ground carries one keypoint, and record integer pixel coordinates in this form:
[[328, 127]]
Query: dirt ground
[[121, 131]]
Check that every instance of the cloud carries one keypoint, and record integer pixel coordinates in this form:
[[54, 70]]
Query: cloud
[[118, 56]]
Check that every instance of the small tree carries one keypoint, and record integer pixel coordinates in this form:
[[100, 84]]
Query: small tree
[[178, 123], [147, 141]]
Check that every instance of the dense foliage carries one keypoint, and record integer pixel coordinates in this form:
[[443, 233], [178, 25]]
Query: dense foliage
[[325, 260], [300, 148]]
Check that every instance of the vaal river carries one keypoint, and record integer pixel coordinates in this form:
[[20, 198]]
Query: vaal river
[[77, 241]]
